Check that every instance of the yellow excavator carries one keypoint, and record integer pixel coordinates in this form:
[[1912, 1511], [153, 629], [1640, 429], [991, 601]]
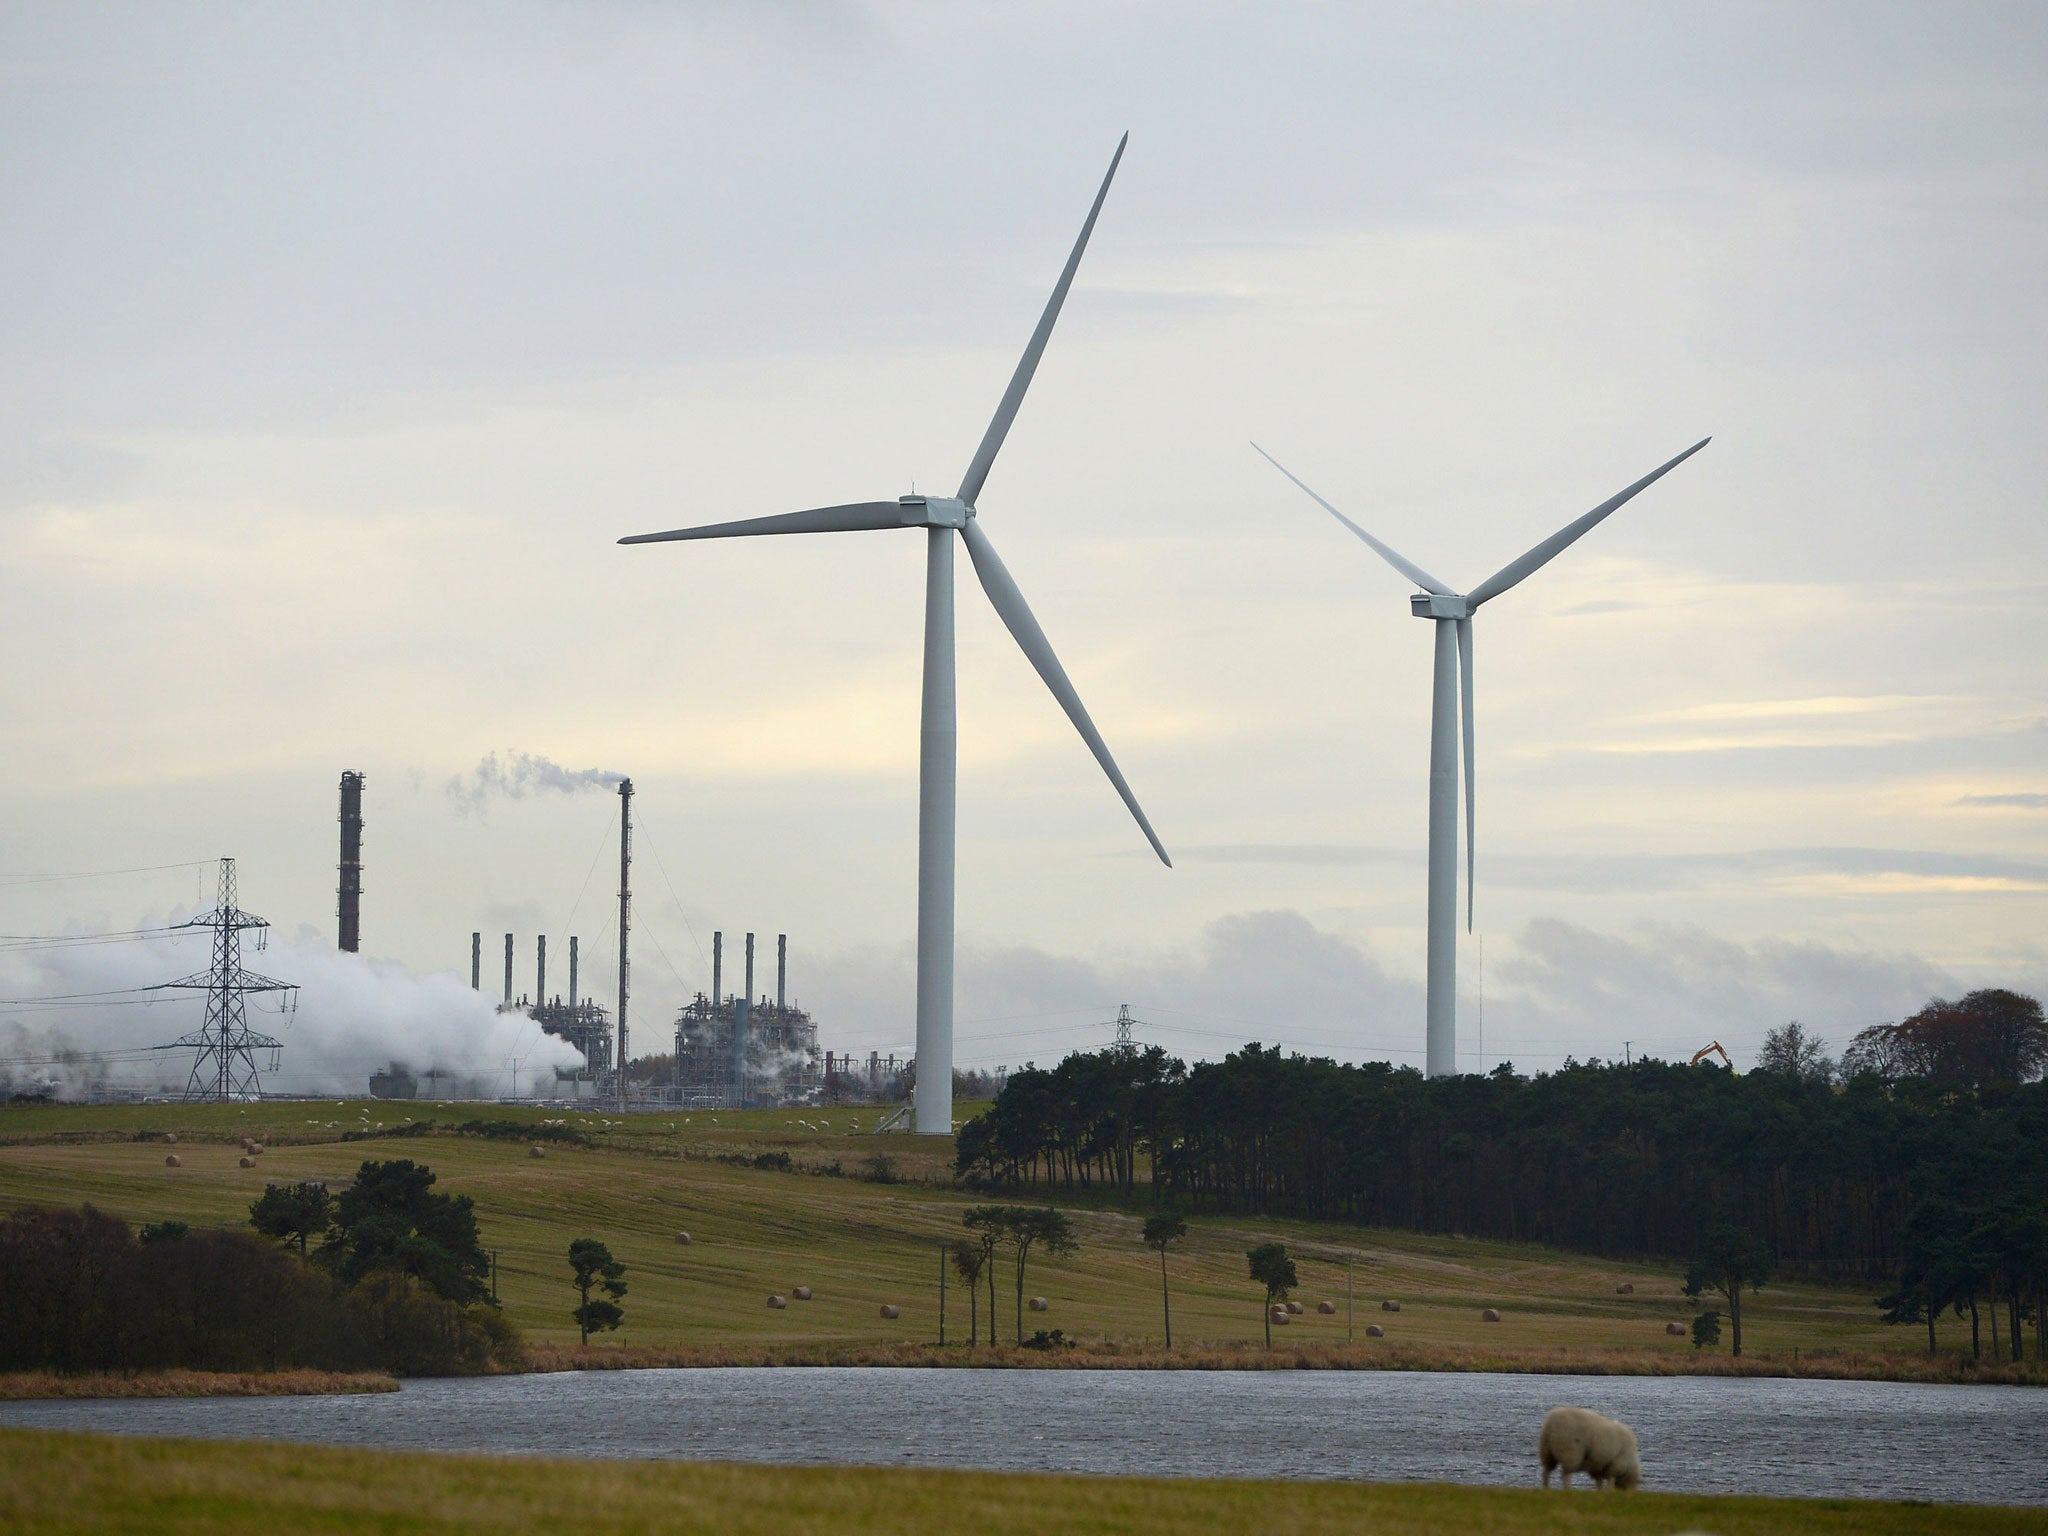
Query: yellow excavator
[[1712, 1048]]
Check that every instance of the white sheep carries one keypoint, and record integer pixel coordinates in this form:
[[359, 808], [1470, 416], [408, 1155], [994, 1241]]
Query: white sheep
[[1580, 1440]]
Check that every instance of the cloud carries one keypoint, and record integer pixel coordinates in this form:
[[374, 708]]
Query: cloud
[[2021, 802]]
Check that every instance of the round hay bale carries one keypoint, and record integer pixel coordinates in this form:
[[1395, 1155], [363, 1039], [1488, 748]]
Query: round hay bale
[[171, 1137], [890, 1312], [1294, 1308], [1039, 1304], [255, 1149], [172, 1160], [247, 1162], [1390, 1306], [1327, 1308], [248, 1144], [1490, 1315], [1281, 1315], [1375, 1331], [536, 1150], [1624, 1289], [802, 1293], [1676, 1330], [776, 1303], [683, 1239]]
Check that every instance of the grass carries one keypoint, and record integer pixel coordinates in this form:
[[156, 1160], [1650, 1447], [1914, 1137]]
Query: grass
[[637, 1183], [20, 1386], [62, 1483]]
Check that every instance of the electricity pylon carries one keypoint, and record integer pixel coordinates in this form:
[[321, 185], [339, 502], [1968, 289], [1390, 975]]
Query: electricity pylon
[[225, 1067]]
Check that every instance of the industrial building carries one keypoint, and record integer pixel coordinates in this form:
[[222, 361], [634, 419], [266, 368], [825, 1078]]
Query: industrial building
[[743, 1051]]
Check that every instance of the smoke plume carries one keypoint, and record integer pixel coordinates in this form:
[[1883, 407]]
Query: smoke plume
[[521, 774], [354, 1017]]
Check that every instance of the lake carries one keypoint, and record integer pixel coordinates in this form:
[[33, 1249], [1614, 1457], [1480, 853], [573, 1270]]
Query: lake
[[1700, 1434]]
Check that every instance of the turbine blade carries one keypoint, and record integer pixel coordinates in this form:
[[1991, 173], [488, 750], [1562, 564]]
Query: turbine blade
[[1016, 615], [1568, 535], [1399, 562], [1013, 397], [1471, 792], [847, 519]]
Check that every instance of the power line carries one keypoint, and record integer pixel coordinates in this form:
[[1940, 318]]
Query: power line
[[103, 874]]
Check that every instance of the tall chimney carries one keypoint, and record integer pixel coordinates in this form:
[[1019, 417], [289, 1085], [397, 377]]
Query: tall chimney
[[781, 972], [625, 919], [350, 904], [540, 971], [572, 970], [476, 962], [717, 968], [508, 970], [750, 970]]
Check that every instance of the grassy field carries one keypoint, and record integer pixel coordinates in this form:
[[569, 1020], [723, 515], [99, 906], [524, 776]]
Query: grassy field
[[63, 1483], [860, 1244]]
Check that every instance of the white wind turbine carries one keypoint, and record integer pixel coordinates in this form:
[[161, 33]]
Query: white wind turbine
[[941, 517], [1453, 612]]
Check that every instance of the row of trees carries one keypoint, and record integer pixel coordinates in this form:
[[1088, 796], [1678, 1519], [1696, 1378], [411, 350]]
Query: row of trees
[[991, 1228], [1636, 1159]]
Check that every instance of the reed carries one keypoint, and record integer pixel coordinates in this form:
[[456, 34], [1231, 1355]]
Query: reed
[[20, 1386]]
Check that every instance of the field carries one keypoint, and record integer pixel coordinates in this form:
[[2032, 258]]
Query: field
[[62, 1483], [860, 1243]]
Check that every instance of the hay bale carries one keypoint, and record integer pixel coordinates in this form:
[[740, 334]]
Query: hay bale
[[1624, 1289], [1327, 1308], [1281, 1315], [172, 1160], [683, 1239], [1490, 1315], [890, 1312], [802, 1293], [1390, 1306], [1375, 1331], [536, 1150], [255, 1149], [247, 1162], [776, 1303], [1039, 1304], [171, 1137], [1676, 1330]]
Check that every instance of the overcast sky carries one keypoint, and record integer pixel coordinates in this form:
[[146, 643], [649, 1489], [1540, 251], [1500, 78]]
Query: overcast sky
[[338, 344]]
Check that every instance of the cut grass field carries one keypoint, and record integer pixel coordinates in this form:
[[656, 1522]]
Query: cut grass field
[[636, 1183], [56, 1484]]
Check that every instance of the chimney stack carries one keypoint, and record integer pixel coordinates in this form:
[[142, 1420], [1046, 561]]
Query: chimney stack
[[781, 972], [717, 968], [508, 970], [540, 971], [572, 970], [750, 970], [350, 903], [476, 962]]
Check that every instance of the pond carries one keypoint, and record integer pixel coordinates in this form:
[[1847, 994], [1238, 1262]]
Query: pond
[[1703, 1434]]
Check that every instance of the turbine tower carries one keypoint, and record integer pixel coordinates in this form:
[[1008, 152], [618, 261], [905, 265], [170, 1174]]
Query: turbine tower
[[1452, 613], [942, 517]]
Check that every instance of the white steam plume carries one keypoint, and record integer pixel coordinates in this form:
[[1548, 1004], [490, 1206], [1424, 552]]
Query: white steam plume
[[521, 774], [354, 1017]]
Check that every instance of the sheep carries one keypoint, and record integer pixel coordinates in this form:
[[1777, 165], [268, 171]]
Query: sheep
[[1580, 1440]]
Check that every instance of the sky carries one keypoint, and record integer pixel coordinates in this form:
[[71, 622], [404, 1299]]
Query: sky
[[339, 344]]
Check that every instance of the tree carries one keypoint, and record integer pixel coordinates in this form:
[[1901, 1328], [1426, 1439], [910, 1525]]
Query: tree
[[1161, 1232], [1990, 1038], [1706, 1330], [989, 1226], [292, 1212], [969, 1260], [390, 1219], [1797, 1052], [596, 1269], [1029, 1227], [1271, 1267], [1730, 1258]]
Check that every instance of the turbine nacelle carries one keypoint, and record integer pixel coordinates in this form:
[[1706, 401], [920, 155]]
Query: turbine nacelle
[[934, 511], [1440, 605]]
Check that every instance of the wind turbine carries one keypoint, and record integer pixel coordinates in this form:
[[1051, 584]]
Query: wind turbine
[[942, 517], [1452, 613]]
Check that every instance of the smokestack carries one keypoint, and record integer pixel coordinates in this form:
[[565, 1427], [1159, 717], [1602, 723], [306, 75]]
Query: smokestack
[[739, 1053], [625, 919], [717, 968], [540, 970], [350, 903], [476, 962], [750, 970], [508, 970], [781, 972], [572, 970]]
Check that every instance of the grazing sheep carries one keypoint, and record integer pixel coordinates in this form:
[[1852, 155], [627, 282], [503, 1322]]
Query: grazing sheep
[[1580, 1440]]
